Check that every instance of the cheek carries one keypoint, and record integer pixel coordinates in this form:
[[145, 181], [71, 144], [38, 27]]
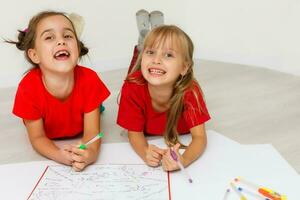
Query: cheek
[[144, 62]]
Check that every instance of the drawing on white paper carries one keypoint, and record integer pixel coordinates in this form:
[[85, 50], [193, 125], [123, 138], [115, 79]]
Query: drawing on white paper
[[103, 182]]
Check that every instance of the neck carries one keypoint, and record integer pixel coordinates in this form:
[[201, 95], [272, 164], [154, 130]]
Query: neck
[[160, 97], [60, 86]]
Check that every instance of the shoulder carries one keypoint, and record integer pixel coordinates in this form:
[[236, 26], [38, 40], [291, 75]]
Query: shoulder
[[84, 71], [134, 92], [31, 80], [194, 97], [133, 88], [85, 75], [193, 92]]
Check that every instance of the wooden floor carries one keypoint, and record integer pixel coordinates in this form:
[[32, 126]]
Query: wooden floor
[[248, 104]]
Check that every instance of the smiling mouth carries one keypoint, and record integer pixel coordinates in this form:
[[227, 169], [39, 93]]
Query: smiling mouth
[[62, 55], [156, 71]]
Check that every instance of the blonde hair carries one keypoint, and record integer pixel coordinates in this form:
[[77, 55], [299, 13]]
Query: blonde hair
[[159, 36]]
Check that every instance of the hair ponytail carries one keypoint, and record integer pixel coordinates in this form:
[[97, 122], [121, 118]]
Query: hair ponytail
[[26, 38], [176, 108]]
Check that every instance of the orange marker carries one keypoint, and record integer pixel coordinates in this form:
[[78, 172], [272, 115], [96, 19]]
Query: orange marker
[[270, 194], [262, 190]]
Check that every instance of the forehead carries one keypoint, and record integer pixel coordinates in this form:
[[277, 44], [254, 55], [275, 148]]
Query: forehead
[[164, 42], [54, 22]]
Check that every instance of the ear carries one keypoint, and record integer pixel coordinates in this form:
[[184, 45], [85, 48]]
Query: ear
[[32, 54], [185, 68]]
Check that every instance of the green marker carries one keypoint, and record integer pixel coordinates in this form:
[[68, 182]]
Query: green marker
[[98, 136]]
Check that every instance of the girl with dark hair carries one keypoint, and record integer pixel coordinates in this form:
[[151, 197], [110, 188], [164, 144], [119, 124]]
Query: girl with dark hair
[[57, 98]]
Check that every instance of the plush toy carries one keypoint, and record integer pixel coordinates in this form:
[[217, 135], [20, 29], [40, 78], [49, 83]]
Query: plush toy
[[78, 23]]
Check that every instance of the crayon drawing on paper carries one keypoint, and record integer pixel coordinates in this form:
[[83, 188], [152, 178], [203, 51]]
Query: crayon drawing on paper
[[102, 182]]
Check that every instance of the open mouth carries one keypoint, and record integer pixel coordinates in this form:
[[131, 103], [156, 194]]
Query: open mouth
[[62, 55], [155, 71]]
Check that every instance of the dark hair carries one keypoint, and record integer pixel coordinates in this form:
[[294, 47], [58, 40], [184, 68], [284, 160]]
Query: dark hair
[[26, 38]]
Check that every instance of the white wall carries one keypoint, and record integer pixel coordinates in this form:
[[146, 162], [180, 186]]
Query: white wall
[[263, 33], [258, 32], [110, 31]]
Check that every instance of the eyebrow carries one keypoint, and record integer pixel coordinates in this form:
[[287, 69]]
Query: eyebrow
[[51, 29]]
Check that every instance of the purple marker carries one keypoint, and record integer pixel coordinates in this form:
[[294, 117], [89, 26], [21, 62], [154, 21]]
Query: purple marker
[[174, 156]]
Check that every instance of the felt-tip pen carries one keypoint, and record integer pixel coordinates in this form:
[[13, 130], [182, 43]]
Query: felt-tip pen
[[175, 157], [98, 136]]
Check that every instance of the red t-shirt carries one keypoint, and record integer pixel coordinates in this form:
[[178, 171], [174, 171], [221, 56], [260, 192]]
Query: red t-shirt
[[137, 114], [61, 118]]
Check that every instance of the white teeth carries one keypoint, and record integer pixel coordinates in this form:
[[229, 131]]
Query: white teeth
[[156, 71], [64, 52]]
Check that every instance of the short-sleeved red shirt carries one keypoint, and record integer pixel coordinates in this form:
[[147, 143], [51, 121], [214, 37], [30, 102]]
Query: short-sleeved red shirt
[[137, 114], [61, 118]]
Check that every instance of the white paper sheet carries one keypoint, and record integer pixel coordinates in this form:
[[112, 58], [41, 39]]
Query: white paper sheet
[[222, 161], [103, 182], [225, 160]]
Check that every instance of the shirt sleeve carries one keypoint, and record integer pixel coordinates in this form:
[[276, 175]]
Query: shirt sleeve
[[131, 115], [195, 110], [25, 105], [95, 92]]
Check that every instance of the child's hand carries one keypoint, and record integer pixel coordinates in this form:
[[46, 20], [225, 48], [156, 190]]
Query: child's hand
[[66, 155], [83, 157], [153, 155], [168, 163]]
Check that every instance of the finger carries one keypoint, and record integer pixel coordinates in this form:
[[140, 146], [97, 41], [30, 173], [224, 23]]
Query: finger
[[176, 147], [77, 158], [78, 166], [158, 150], [170, 163], [153, 163], [150, 153], [78, 151], [68, 161], [164, 165], [156, 155], [67, 156], [67, 147], [150, 158], [164, 168]]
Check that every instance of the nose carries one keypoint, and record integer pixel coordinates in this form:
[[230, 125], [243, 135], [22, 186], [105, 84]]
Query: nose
[[157, 59], [61, 43]]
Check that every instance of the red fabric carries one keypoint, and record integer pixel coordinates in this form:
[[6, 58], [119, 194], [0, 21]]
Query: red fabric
[[61, 118], [137, 114]]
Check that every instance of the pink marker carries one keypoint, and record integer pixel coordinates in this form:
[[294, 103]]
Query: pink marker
[[175, 157]]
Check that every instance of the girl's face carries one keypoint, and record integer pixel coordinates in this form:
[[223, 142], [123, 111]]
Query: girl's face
[[161, 65], [56, 47]]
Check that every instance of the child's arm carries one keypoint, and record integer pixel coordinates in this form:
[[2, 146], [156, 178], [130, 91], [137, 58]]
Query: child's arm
[[81, 157], [43, 145], [192, 152], [150, 154]]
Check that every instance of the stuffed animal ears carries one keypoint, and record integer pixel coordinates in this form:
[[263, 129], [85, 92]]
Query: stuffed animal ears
[[78, 23]]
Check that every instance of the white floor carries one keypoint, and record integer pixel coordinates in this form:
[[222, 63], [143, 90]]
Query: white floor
[[248, 104]]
